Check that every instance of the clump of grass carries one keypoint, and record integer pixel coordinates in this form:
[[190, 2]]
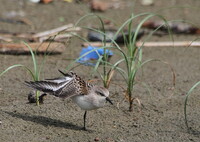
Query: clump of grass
[[131, 55], [108, 69], [185, 103], [34, 73]]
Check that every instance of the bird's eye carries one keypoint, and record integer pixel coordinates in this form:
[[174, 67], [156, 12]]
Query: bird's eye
[[100, 93]]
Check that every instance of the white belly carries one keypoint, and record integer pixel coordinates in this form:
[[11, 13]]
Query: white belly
[[87, 102]]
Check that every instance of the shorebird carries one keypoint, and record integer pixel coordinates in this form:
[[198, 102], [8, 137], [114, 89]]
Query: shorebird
[[85, 95]]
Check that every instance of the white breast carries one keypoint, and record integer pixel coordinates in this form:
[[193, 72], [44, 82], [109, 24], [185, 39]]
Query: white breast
[[89, 102]]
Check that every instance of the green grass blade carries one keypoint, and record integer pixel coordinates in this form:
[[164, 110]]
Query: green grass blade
[[36, 75], [17, 65], [9, 68], [185, 103], [98, 63]]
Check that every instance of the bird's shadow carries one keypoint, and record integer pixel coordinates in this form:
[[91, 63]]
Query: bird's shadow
[[45, 121]]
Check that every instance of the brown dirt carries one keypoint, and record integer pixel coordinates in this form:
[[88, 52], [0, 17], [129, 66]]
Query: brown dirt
[[161, 116]]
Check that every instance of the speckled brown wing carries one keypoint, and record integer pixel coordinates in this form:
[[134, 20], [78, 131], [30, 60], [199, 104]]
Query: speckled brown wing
[[78, 83], [81, 85], [67, 91], [64, 87]]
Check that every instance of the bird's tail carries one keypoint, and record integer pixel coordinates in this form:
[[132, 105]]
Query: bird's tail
[[65, 74], [69, 74]]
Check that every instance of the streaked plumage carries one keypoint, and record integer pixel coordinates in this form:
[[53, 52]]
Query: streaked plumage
[[85, 95]]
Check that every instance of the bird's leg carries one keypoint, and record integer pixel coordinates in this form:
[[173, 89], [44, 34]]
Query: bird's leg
[[84, 118]]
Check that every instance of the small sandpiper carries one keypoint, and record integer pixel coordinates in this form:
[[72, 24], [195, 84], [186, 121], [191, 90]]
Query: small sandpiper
[[85, 95]]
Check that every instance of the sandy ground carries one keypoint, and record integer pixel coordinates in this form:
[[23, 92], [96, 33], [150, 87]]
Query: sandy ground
[[161, 116]]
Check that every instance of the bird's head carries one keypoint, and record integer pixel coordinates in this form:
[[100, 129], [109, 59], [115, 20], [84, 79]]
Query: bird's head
[[103, 92]]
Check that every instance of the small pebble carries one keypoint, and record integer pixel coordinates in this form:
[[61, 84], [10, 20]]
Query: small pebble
[[147, 2], [35, 1], [47, 138], [96, 139], [97, 5]]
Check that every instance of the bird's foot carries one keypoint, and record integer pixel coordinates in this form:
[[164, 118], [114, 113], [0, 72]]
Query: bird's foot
[[84, 128]]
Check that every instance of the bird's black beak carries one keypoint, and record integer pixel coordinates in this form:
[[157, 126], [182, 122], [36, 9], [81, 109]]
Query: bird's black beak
[[108, 99]]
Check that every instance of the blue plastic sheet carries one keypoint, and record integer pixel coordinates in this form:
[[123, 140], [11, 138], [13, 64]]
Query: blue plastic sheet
[[94, 55]]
